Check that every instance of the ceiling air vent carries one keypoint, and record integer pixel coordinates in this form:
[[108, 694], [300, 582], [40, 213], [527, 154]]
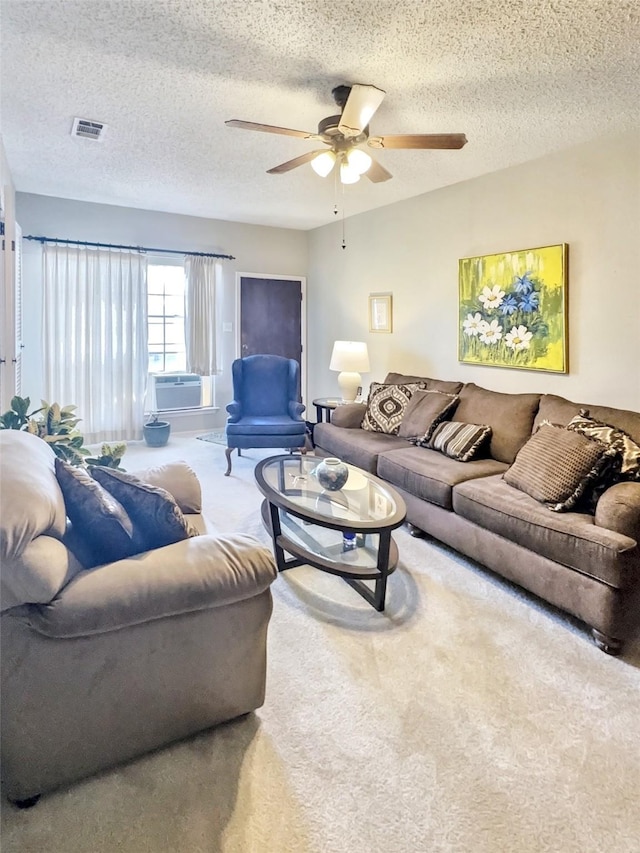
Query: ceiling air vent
[[86, 129]]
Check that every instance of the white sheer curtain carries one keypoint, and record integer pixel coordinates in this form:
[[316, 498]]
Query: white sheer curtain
[[202, 294], [95, 338]]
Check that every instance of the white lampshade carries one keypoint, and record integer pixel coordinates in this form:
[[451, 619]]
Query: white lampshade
[[323, 163], [359, 160], [349, 357]]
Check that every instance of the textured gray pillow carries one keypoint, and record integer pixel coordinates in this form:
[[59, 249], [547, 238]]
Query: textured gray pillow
[[386, 406], [556, 466], [424, 411], [157, 518], [102, 529]]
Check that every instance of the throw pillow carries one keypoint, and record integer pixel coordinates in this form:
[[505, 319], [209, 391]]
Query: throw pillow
[[157, 518], [459, 441], [386, 406], [101, 526], [556, 466], [424, 411], [628, 450]]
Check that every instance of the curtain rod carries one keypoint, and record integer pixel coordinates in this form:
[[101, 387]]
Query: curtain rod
[[134, 248]]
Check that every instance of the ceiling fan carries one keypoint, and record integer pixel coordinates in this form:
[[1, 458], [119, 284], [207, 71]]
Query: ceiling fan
[[346, 132]]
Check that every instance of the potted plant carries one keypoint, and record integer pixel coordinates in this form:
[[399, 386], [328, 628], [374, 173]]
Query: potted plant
[[156, 433], [57, 425]]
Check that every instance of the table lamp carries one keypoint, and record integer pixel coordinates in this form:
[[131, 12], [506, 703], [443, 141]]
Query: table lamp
[[349, 357]]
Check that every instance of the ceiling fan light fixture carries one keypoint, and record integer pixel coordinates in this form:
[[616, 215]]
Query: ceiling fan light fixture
[[323, 163], [347, 174], [359, 160]]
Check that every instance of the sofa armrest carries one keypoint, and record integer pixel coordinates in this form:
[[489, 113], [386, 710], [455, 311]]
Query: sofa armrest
[[195, 574], [180, 480], [349, 415], [619, 509]]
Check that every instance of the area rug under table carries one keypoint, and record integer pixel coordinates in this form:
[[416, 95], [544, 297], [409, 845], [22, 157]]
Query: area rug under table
[[215, 437]]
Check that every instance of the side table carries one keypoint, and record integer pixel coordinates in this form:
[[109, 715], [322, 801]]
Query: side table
[[324, 407]]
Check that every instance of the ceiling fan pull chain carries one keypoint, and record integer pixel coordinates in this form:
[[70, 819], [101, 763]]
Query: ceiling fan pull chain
[[344, 242]]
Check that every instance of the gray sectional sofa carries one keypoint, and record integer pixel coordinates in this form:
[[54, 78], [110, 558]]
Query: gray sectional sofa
[[587, 564]]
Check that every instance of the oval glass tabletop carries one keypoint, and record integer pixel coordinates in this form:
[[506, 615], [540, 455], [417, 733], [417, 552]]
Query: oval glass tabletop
[[364, 500]]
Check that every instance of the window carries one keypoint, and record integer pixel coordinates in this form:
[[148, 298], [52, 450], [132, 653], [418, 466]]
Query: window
[[165, 286], [167, 350]]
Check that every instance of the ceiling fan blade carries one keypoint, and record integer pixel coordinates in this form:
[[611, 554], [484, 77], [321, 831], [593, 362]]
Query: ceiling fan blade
[[293, 164], [419, 140], [377, 173], [270, 128], [361, 104]]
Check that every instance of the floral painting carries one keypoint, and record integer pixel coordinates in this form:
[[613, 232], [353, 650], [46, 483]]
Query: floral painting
[[513, 309]]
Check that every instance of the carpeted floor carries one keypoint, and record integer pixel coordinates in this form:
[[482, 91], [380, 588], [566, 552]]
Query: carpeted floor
[[467, 718]]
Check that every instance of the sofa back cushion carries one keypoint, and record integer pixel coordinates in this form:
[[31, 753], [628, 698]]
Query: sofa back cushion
[[430, 384], [560, 411], [510, 417]]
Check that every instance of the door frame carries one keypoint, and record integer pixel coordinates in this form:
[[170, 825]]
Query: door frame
[[303, 319]]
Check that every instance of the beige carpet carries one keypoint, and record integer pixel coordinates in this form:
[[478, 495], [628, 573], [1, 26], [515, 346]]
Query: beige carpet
[[465, 719]]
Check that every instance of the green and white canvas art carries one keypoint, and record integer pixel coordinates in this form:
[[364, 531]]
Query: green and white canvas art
[[513, 309]]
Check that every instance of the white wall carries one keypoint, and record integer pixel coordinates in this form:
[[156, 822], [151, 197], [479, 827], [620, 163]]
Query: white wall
[[256, 248], [588, 197]]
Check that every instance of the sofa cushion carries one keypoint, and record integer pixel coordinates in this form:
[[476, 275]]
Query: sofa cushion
[[510, 417], [386, 406], [459, 441], [157, 518], [429, 384], [571, 538], [97, 518], [558, 410], [356, 446], [425, 410], [429, 475], [557, 466]]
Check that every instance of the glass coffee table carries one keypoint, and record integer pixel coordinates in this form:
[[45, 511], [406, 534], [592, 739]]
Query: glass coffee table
[[345, 532]]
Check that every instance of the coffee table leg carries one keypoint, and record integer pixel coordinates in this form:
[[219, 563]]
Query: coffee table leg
[[377, 597]]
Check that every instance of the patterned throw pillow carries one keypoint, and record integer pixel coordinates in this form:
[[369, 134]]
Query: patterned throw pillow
[[628, 451], [157, 518], [459, 441], [556, 466], [386, 406], [102, 531], [424, 411]]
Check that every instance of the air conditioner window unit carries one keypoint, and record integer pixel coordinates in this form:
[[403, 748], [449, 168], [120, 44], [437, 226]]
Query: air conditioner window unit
[[177, 391]]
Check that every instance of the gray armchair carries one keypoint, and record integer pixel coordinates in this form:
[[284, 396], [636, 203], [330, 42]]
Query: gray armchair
[[102, 665]]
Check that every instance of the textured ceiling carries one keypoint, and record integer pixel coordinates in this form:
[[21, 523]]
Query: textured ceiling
[[521, 78]]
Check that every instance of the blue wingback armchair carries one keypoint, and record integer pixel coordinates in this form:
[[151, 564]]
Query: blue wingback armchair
[[265, 411]]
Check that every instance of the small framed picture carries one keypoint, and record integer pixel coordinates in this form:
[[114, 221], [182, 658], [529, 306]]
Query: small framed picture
[[380, 316]]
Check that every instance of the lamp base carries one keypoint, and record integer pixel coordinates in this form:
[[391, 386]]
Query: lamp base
[[349, 384]]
